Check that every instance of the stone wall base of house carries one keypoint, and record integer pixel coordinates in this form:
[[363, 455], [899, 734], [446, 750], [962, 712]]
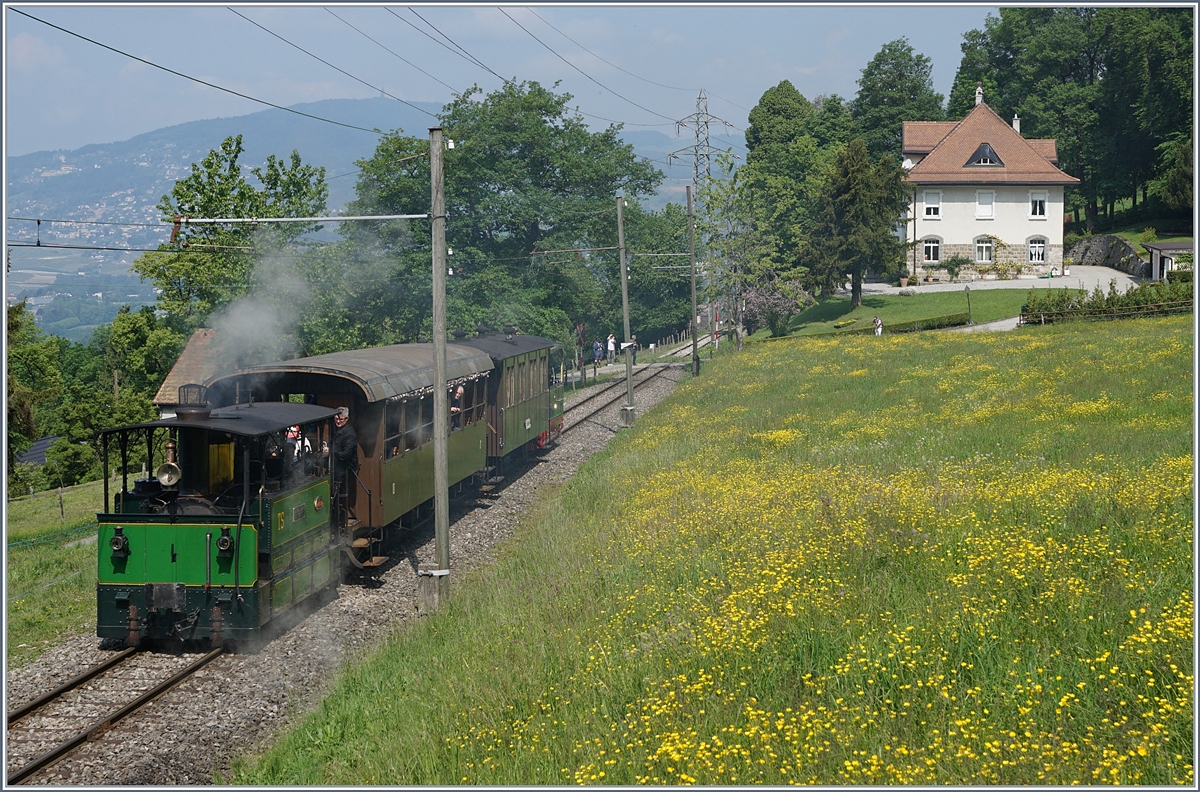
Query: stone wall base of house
[[1008, 255]]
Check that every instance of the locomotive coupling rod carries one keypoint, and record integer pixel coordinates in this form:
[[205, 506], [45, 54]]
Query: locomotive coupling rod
[[102, 726], [21, 712]]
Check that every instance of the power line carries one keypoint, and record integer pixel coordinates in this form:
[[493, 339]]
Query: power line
[[83, 247], [330, 65], [86, 222], [194, 79], [618, 68], [410, 63], [464, 52], [576, 68], [469, 58], [594, 55]]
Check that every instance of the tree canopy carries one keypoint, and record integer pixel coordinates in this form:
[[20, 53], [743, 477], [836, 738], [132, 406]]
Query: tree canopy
[[525, 175], [896, 86], [208, 266], [858, 206]]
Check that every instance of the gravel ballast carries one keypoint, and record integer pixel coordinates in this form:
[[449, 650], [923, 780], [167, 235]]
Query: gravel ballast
[[238, 703]]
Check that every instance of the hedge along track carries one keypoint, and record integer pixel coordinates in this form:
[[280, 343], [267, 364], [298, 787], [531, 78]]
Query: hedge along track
[[35, 730], [609, 394]]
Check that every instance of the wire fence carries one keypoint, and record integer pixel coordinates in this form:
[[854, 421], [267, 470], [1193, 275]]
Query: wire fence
[[60, 536]]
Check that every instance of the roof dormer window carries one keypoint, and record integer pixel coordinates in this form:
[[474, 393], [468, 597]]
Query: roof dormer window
[[985, 155]]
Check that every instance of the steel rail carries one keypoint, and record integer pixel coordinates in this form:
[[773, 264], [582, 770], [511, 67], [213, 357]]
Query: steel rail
[[104, 724], [21, 712], [612, 388], [607, 387]]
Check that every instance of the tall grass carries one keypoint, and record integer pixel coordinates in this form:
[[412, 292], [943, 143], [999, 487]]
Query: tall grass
[[51, 564], [942, 558]]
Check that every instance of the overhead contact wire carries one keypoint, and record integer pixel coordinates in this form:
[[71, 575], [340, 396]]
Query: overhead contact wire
[[330, 65], [194, 79], [581, 71], [401, 57]]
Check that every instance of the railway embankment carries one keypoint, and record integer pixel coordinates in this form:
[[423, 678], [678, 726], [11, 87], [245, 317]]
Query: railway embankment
[[191, 734], [927, 558]]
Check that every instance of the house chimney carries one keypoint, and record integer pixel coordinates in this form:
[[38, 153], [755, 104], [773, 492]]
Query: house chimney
[[978, 93], [1016, 123]]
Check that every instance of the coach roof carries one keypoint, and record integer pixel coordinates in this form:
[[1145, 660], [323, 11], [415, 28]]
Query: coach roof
[[381, 372]]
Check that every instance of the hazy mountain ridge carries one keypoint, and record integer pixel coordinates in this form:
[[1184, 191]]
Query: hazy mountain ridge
[[123, 181]]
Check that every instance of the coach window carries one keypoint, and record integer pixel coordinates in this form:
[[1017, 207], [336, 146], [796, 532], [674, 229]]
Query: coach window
[[426, 418], [522, 388], [393, 429], [510, 374], [476, 393], [412, 424]]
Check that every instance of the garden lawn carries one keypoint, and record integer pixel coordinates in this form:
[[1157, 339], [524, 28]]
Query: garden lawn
[[939, 558], [51, 564], [834, 314]]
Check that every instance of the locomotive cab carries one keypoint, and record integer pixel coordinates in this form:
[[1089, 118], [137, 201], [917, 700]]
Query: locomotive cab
[[232, 527]]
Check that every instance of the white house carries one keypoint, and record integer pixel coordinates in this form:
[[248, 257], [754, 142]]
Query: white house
[[982, 191]]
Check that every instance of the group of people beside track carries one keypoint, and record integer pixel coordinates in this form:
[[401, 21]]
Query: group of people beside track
[[608, 350]]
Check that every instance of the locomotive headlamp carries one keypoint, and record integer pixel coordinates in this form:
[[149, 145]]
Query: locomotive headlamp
[[119, 543], [225, 544]]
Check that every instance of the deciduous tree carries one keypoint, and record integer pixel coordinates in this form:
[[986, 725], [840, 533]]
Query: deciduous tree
[[896, 86], [208, 266]]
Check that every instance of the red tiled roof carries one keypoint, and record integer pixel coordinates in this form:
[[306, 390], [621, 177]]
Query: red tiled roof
[[921, 136], [194, 365], [1025, 161], [1047, 147]]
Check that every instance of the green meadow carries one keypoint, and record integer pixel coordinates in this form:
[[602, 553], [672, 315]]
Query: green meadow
[[932, 558], [51, 568]]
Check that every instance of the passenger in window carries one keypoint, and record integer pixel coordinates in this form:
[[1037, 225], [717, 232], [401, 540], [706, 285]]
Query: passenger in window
[[456, 408]]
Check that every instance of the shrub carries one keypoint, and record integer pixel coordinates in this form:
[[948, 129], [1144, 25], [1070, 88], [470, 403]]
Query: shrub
[[955, 264], [1052, 305], [774, 304], [1148, 235]]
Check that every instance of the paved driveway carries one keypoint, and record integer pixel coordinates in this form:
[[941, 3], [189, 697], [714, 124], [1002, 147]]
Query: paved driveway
[[1080, 278]]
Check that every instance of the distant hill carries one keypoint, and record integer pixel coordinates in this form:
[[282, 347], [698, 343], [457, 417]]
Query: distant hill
[[123, 181]]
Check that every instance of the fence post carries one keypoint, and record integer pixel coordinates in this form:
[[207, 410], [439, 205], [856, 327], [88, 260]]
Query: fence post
[[61, 512]]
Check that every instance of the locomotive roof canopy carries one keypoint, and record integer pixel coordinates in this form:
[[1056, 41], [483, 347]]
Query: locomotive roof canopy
[[500, 346], [379, 372], [246, 420]]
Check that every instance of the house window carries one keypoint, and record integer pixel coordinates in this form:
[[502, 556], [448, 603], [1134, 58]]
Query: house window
[[933, 205], [1037, 251], [983, 250], [985, 208], [933, 250], [1037, 204]]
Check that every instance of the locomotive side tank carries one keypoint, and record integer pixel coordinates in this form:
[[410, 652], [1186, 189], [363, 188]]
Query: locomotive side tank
[[233, 528]]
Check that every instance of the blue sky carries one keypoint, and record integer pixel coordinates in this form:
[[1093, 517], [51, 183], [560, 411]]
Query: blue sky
[[63, 93]]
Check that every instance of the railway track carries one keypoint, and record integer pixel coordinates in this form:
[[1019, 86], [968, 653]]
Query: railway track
[[49, 728], [607, 395]]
